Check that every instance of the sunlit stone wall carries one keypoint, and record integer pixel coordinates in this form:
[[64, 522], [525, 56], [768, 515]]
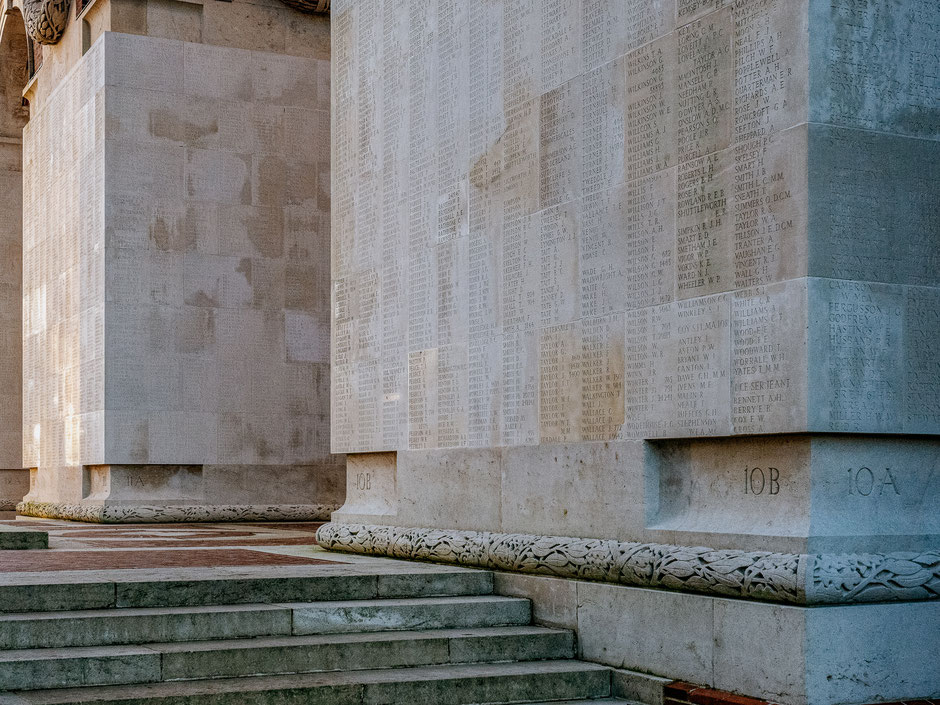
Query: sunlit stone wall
[[177, 280], [570, 238]]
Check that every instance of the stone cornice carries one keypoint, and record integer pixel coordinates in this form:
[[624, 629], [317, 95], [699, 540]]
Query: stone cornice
[[802, 579], [159, 513]]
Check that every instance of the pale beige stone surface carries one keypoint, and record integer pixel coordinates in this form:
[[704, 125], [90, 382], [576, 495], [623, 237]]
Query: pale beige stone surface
[[554, 600], [179, 316], [619, 173], [661, 223], [611, 621]]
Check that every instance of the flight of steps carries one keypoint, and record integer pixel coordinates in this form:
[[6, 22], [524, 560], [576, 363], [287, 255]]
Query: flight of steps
[[436, 638]]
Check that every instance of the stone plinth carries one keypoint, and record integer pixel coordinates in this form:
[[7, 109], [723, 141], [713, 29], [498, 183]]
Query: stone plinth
[[659, 272], [177, 284]]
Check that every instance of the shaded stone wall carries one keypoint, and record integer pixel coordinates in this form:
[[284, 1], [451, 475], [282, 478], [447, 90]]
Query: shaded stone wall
[[13, 115]]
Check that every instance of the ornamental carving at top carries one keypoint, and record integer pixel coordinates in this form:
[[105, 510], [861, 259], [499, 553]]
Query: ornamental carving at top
[[46, 19], [309, 5]]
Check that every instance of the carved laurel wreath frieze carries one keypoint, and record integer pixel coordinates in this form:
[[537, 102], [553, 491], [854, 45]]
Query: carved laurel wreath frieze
[[309, 5], [754, 575], [152, 514], [46, 19]]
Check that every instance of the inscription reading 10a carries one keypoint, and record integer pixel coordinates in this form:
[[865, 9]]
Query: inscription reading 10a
[[759, 481], [866, 482]]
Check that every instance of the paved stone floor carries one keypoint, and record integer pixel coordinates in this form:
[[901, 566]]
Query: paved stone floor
[[80, 552]]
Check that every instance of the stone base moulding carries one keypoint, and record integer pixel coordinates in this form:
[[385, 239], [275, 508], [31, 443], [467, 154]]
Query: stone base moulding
[[800, 579], [158, 514], [14, 484]]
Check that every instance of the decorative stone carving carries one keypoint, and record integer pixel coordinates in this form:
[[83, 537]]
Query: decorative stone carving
[[46, 19], [154, 514], [309, 5], [756, 575], [873, 577]]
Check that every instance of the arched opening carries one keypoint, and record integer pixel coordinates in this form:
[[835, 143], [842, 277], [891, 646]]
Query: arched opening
[[15, 67]]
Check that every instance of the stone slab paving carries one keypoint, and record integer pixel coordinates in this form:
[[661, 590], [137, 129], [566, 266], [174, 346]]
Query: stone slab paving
[[93, 555]]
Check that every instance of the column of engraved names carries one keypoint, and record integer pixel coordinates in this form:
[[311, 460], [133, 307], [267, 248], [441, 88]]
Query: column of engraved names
[[422, 309], [559, 386], [922, 363], [366, 352], [422, 289], [770, 57], [342, 400], [601, 254], [703, 235], [703, 350], [703, 125], [485, 222], [601, 374], [650, 209], [651, 108], [519, 181], [451, 84], [394, 134], [768, 352], [649, 374], [863, 379]]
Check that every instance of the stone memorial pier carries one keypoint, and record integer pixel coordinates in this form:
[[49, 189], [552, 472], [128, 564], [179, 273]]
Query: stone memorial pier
[[643, 295], [175, 261], [14, 52]]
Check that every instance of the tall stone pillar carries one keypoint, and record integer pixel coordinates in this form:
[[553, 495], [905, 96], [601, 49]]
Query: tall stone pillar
[[177, 268], [657, 273], [14, 479]]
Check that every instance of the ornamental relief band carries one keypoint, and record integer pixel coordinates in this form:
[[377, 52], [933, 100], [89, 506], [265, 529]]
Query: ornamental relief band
[[757, 575], [159, 513], [46, 19]]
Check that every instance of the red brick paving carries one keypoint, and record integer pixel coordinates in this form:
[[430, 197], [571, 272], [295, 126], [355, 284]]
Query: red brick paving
[[682, 693], [196, 543], [182, 535], [45, 560], [290, 526]]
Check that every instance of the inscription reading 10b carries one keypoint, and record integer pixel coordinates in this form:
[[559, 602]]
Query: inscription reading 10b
[[760, 481]]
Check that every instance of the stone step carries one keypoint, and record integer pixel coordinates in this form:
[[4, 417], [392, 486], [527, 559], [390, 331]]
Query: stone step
[[140, 625], [15, 538], [409, 613], [462, 684], [602, 701], [36, 669], [39, 595]]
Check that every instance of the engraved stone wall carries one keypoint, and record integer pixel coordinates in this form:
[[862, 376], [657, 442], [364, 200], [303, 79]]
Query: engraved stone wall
[[597, 221], [177, 271], [63, 276]]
